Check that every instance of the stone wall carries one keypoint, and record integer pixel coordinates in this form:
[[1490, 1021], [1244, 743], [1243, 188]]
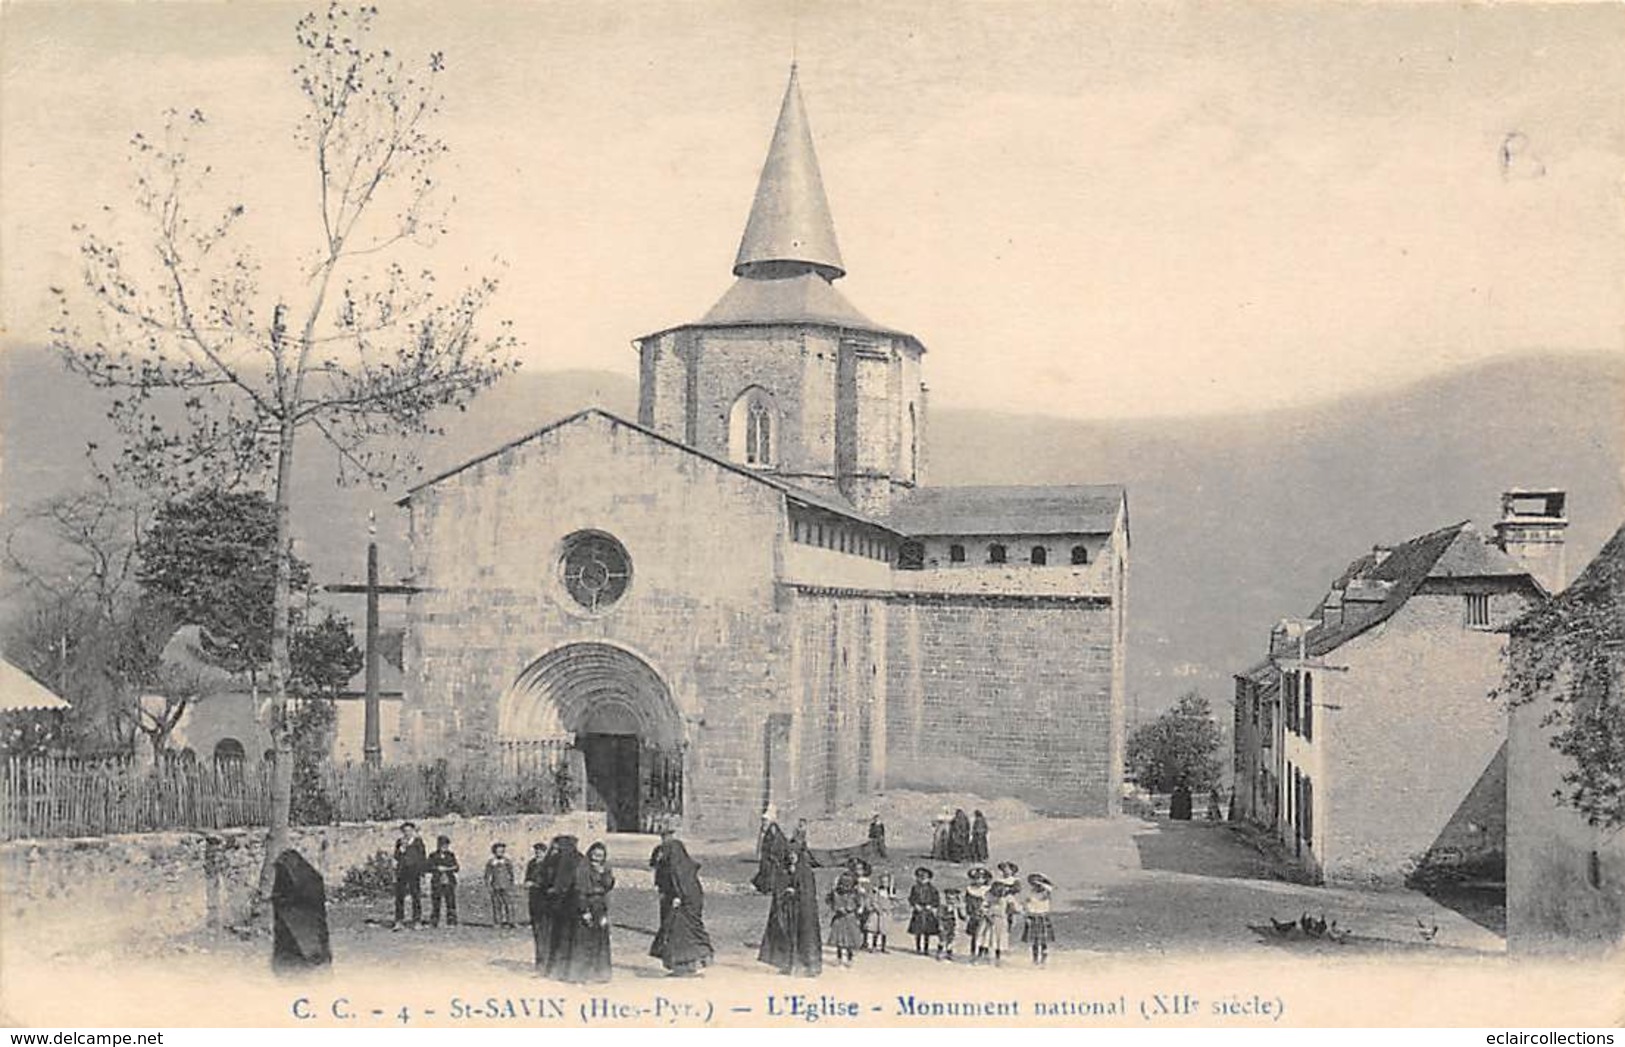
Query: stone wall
[[1407, 731], [1013, 695], [1565, 879], [133, 892], [700, 611]]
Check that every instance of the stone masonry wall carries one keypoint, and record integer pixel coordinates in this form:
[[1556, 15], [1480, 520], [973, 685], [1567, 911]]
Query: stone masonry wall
[[135, 891], [700, 609], [1011, 695], [1407, 731], [839, 730]]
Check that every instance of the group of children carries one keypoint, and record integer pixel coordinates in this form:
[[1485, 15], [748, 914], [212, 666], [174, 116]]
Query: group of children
[[862, 909], [986, 909], [413, 862]]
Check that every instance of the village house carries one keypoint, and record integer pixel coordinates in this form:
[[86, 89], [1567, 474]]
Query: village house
[[1565, 864], [1368, 740], [749, 598]]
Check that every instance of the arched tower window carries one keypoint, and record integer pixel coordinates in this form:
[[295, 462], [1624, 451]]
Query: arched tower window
[[1080, 554], [1040, 556], [995, 553], [913, 446], [956, 553], [752, 428]]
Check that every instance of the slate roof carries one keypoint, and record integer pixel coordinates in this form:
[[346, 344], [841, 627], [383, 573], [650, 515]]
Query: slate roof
[[1457, 551], [806, 298], [1070, 509], [789, 218]]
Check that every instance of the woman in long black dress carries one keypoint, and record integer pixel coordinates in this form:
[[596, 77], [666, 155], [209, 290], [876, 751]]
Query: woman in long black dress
[[978, 837], [959, 837], [559, 899], [775, 878], [682, 943], [538, 872], [589, 960], [299, 910]]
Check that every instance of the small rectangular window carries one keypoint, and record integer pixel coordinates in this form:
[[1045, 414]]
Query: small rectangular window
[[1478, 609]]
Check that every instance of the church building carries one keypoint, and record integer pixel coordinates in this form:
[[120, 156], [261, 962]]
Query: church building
[[749, 597]]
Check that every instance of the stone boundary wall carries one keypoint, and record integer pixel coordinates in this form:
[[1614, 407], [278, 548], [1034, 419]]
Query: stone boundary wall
[[134, 892]]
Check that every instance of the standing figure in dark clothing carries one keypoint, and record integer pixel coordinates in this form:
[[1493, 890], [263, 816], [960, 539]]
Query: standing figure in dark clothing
[[410, 864], [1179, 805], [589, 960], [682, 943], [559, 901], [537, 873], [978, 838], [443, 869], [959, 837], [299, 909], [792, 941], [877, 835], [924, 904]]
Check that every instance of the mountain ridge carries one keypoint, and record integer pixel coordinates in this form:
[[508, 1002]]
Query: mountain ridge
[[1237, 519]]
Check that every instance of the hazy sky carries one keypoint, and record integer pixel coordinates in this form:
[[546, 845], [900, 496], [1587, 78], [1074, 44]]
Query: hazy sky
[[1112, 209]]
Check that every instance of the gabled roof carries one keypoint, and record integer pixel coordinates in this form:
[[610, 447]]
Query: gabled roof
[[789, 490], [1457, 551], [20, 692], [789, 223], [1074, 509]]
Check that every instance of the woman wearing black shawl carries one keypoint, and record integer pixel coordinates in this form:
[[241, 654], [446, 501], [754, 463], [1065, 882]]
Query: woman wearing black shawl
[[959, 837], [682, 943], [793, 939], [978, 838], [589, 960], [299, 909], [538, 873], [559, 901]]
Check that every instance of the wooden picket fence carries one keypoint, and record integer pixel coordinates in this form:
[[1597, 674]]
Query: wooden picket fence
[[55, 796]]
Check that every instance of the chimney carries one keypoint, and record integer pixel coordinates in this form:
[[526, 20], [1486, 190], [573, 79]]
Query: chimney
[[1531, 532]]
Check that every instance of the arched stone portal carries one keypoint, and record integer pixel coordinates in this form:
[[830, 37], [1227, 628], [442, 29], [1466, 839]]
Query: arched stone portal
[[619, 714]]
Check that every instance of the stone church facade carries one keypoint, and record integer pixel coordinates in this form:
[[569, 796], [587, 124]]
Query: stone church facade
[[750, 589]]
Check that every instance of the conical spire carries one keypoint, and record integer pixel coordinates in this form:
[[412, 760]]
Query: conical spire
[[789, 231]]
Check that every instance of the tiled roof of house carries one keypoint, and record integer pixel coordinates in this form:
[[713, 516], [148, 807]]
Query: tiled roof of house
[[1388, 579], [1073, 509]]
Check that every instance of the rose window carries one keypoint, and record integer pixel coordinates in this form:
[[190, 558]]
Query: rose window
[[596, 570]]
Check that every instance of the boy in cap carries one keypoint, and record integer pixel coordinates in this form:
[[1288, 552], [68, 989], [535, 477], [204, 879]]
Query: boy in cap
[[443, 869]]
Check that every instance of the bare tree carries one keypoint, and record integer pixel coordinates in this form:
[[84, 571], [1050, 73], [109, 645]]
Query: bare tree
[[215, 376], [70, 565]]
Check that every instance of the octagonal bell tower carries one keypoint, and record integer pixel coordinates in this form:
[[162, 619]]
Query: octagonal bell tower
[[783, 374]]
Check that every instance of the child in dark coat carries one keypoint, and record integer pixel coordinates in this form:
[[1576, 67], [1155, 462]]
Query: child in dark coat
[[443, 882]]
